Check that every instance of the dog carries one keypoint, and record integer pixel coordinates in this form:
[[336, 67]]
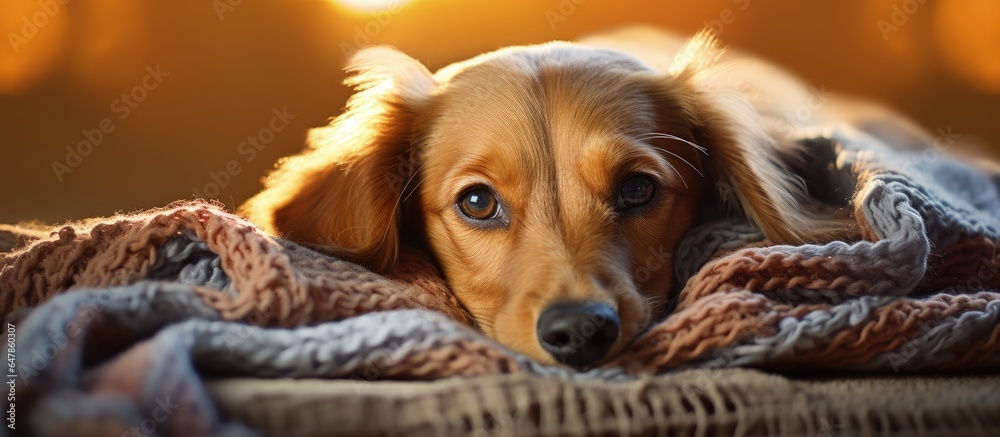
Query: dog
[[543, 178]]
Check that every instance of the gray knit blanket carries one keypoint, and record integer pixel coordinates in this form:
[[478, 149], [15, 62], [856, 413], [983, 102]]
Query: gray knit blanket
[[116, 323]]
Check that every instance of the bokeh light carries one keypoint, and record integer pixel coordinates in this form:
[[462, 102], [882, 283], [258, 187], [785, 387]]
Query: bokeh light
[[34, 38], [231, 63], [114, 33], [968, 36], [371, 5]]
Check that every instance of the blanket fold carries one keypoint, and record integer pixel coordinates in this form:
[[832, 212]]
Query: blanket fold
[[119, 320]]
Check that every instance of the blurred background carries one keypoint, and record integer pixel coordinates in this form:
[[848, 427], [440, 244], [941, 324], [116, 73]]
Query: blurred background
[[118, 105]]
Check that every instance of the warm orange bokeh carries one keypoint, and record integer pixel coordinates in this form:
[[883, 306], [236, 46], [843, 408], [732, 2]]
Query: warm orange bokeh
[[117, 33], [968, 35], [368, 6], [230, 65], [35, 38]]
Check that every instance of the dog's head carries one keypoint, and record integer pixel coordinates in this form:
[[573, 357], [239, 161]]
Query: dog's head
[[552, 184]]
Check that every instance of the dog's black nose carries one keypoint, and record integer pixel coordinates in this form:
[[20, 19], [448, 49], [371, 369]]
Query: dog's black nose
[[578, 334]]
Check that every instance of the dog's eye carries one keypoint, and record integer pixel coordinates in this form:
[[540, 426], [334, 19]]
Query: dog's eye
[[635, 191], [479, 204]]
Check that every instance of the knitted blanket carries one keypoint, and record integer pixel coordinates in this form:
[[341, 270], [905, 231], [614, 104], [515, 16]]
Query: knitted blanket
[[119, 321]]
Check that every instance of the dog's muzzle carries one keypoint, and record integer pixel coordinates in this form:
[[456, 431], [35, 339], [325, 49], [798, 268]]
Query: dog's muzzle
[[578, 334]]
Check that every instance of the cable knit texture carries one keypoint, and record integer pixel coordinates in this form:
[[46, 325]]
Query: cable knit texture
[[120, 319]]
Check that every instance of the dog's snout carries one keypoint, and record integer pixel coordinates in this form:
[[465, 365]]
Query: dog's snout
[[578, 334]]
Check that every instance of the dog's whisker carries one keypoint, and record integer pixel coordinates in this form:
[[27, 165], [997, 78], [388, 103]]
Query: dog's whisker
[[407, 184], [673, 137], [659, 302], [654, 299], [667, 136], [682, 159], [400, 200], [414, 190], [679, 175]]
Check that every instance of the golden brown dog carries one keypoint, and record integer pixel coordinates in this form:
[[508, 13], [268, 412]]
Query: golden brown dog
[[543, 178]]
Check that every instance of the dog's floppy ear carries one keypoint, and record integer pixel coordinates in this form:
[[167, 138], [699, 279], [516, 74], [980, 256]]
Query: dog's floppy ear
[[342, 193], [742, 158]]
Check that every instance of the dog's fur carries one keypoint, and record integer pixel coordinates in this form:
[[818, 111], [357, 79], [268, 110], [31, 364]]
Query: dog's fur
[[553, 130]]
